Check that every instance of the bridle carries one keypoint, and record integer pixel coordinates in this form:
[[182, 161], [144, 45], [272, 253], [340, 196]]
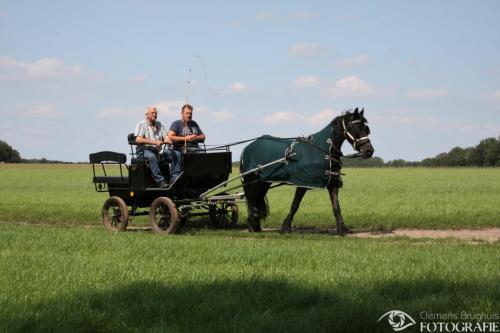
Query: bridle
[[355, 142]]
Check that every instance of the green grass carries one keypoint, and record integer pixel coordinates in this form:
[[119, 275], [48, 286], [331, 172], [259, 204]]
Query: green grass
[[77, 279], [371, 198]]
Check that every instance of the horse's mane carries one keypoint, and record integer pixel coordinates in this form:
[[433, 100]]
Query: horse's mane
[[350, 111]]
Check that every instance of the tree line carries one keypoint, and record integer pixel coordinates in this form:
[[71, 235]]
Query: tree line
[[10, 155], [485, 154]]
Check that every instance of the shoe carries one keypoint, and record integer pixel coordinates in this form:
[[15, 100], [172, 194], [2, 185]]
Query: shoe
[[163, 184]]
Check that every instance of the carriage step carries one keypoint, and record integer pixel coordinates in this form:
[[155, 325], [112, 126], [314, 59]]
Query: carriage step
[[226, 197]]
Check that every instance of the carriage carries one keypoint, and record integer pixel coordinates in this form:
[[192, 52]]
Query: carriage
[[304, 162], [132, 190]]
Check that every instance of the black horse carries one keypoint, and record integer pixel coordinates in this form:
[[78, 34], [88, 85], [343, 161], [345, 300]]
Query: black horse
[[304, 164]]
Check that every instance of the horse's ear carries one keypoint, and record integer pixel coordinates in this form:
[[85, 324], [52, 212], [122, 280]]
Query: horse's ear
[[362, 113], [356, 111]]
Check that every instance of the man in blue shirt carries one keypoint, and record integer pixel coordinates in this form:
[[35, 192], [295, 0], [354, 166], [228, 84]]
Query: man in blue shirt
[[185, 135]]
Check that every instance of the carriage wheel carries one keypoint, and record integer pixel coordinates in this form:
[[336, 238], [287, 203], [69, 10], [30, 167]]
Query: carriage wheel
[[163, 216], [224, 216], [115, 214]]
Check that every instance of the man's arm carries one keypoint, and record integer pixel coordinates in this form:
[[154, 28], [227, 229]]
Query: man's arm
[[200, 137], [172, 135], [141, 140], [189, 138]]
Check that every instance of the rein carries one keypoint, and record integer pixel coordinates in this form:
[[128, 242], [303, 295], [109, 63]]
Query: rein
[[248, 140]]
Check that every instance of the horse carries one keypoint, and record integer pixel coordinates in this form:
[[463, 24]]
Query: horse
[[306, 162]]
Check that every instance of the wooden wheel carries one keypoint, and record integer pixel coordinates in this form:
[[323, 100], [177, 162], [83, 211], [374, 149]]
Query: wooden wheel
[[163, 216], [115, 214], [224, 215]]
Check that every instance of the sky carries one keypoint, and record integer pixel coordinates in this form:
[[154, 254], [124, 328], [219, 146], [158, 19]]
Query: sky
[[76, 76]]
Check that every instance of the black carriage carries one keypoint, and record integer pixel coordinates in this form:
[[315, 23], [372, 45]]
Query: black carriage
[[131, 189]]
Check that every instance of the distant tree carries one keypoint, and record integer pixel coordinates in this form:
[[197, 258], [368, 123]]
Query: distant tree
[[397, 163], [455, 157], [491, 151], [8, 154], [486, 153], [363, 163]]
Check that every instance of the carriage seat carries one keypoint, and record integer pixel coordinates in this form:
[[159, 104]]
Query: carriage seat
[[131, 139], [140, 163], [107, 156]]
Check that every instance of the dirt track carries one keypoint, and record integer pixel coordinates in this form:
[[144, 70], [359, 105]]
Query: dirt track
[[490, 234]]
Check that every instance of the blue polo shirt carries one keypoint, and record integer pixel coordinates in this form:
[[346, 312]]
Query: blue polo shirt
[[182, 129]]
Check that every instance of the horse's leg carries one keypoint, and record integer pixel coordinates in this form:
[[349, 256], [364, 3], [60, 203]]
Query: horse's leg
[[256, 204], [334, 198], [287, 224]]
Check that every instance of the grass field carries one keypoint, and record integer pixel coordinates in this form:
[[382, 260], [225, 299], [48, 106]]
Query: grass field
[[371, 198], [75, 279], [62, 272]]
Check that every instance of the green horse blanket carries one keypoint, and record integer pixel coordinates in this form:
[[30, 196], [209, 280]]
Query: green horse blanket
[[308, 165]]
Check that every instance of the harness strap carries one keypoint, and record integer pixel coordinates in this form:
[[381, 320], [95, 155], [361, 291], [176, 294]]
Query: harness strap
[[346, 132]]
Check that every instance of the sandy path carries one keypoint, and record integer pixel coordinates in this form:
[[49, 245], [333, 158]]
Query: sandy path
[[489, 234]]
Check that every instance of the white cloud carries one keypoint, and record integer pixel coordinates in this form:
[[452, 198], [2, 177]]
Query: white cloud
[[350, 86], [222, 116], [354, 61], [496, 95], [427, 93], [39, 111], [301, 16], [265, 16], [45, 68], [166, 111], [112, 112], [289, 117], [305, 50], [351, 19], [238, 87], [306, 81], [282, 17], [283, 117], [322, 117], [431, 123], [171, 108], [421, 122], [139, 78]]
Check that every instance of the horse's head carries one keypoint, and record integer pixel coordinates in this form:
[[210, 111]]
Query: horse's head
[[356, 132]]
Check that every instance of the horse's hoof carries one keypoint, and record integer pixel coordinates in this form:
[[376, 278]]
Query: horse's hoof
[[286, 230], [346, 230], [254, 228]]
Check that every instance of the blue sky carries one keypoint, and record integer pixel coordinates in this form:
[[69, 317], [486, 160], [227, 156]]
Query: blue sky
[[76, 76]]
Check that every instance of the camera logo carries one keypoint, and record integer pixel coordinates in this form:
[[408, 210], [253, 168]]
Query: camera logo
[[398, 320]]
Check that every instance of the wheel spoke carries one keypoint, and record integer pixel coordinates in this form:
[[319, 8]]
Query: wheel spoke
[[162, 217], [115, 214]]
